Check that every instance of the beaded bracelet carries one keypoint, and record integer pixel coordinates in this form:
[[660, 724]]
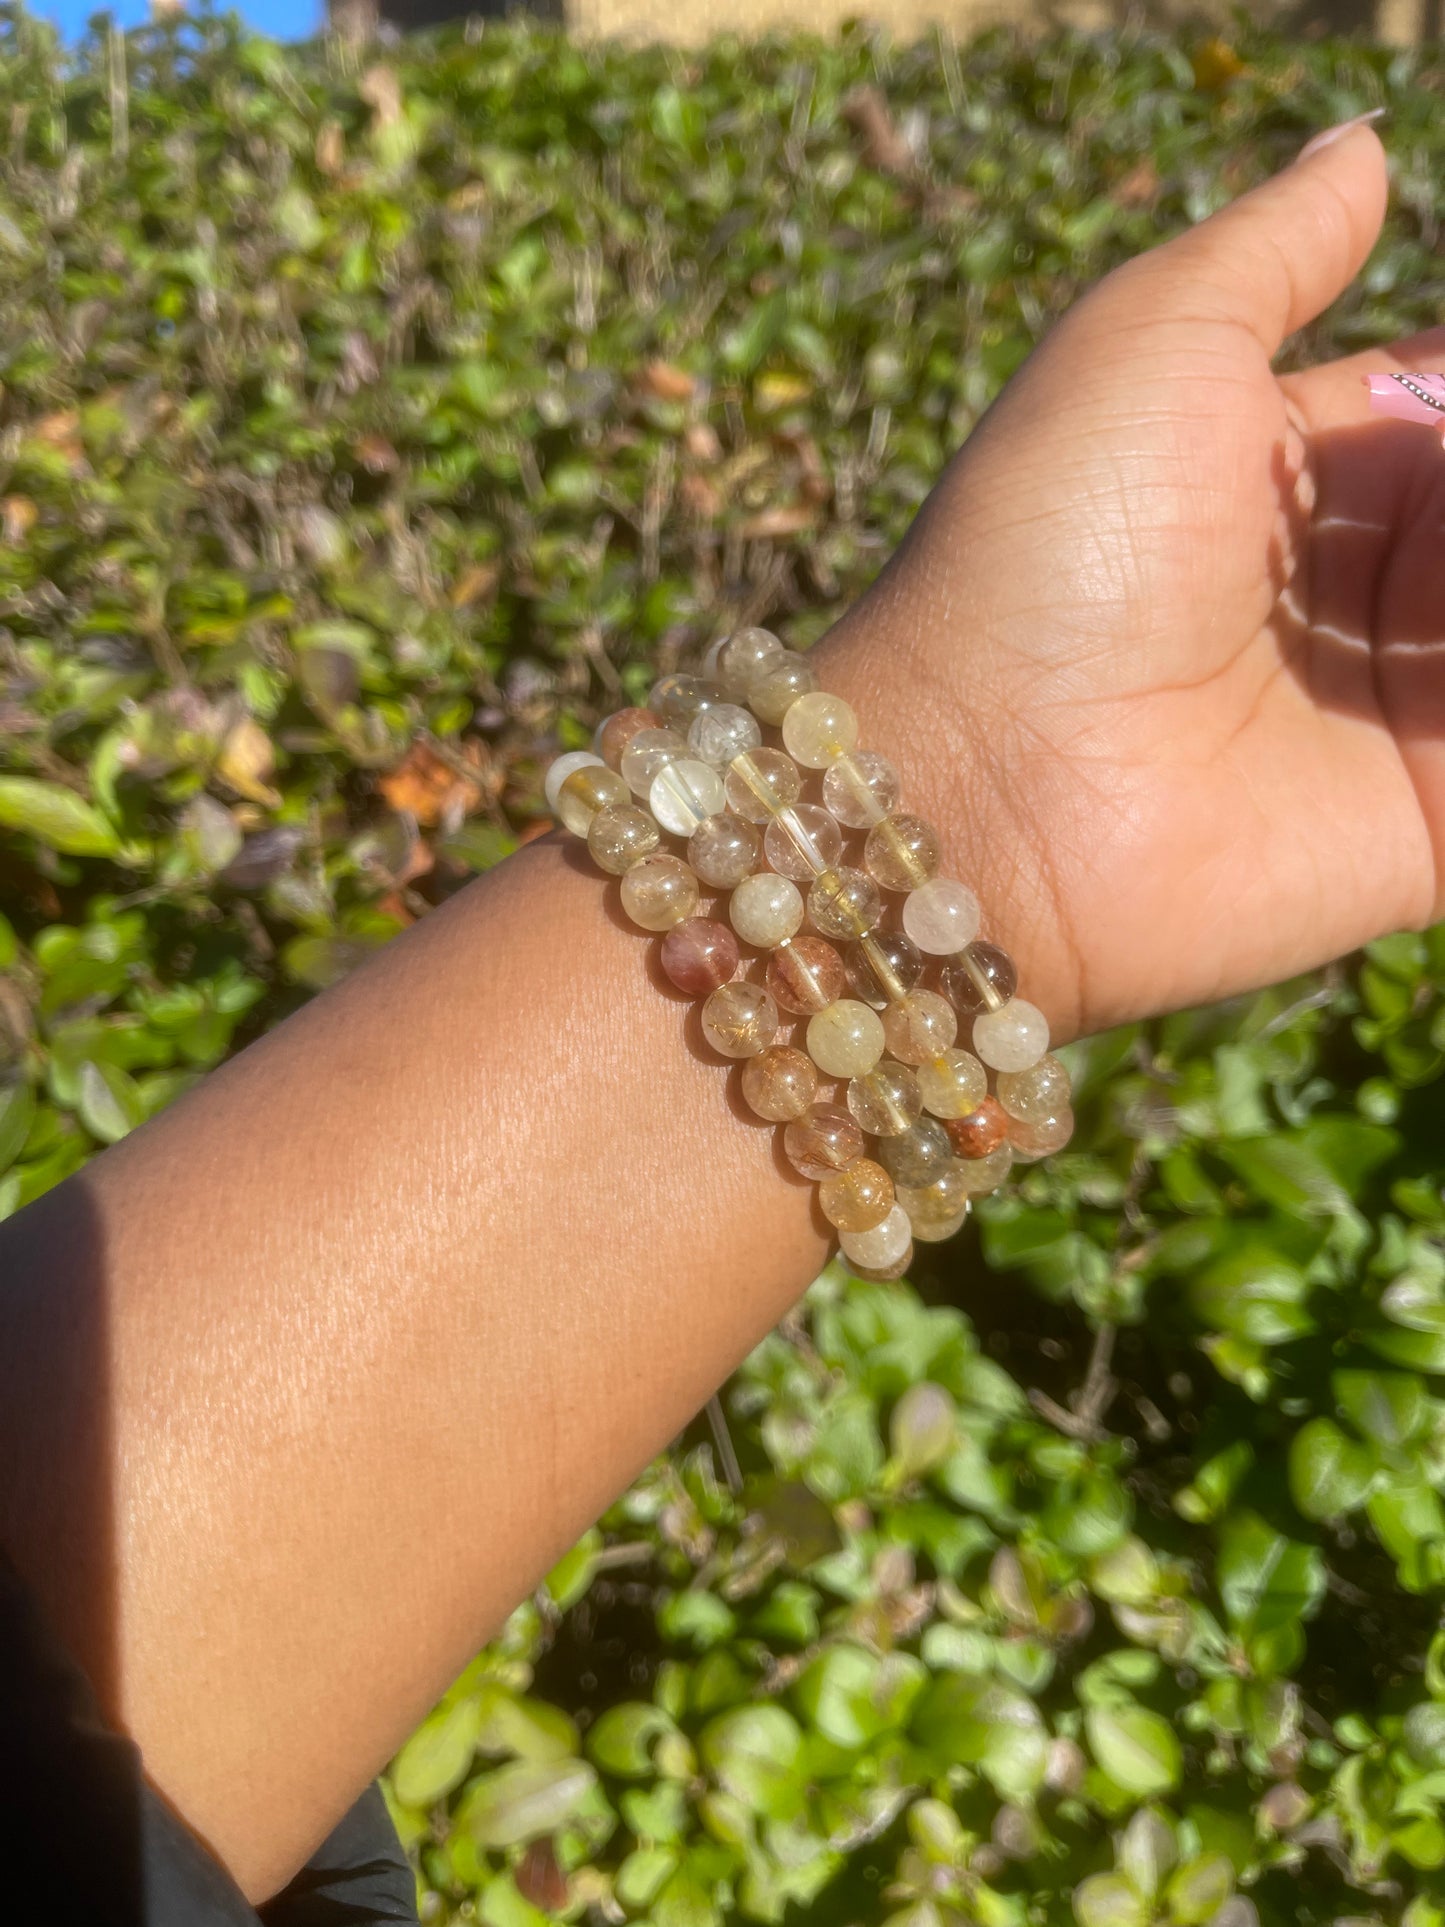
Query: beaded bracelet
[[919, 1132]]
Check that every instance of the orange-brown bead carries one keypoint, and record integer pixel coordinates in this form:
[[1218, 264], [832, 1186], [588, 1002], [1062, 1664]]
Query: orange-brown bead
[[981, 1131], [805, 975], [780, 1083], [699, 954], [618, 731], [824, 1141], [857, 1198]]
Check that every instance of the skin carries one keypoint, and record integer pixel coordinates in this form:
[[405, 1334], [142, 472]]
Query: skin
[[469, 1239]]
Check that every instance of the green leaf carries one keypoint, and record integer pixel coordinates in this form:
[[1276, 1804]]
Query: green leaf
[[968, 1721], [623, 1739], [524, 1800], [1109, 1900], [753, 1753], [1388, 1407], [438, 1756], [1329, 1474], [1136, 1748], [1266, 1580], [56, 817], [108, 1101], [17, 1114]]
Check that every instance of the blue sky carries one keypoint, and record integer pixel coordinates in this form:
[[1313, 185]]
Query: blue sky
[[286, 19]]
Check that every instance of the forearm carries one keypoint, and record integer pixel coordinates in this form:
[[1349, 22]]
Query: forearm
[[468, 1239]]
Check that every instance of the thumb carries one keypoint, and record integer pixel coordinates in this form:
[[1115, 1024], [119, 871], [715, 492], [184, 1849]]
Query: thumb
[[1279, 255]]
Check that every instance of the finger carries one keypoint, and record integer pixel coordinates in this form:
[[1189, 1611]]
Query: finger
[[1276, 257], [1334, 395]]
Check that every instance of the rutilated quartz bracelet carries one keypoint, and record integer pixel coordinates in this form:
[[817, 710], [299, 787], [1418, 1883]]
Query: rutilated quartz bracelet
[[924, 1124]]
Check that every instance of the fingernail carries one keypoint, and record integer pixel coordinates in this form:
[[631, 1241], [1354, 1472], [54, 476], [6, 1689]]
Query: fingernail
[[1332, 134]]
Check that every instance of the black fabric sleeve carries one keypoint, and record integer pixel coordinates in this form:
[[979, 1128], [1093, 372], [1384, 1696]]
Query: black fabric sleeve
[[85, 1837]]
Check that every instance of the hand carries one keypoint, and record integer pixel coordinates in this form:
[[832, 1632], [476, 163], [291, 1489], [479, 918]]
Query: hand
[[1164, 653]]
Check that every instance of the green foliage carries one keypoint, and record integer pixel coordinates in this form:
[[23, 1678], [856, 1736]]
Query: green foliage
[[363, 434]]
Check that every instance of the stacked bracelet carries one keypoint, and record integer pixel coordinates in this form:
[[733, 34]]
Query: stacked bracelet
[[924, 1125]]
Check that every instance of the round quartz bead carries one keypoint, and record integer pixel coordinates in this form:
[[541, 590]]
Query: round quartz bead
[[724, 850], [647, 755], [860, 789], [803, 842], [659, 892], [937, 1210], [561, 767], [844, 903], [920, 1026], [678, 699], [882, 1274], [886, 1102], [884, 967], [981, 1132], [817, 728], [902, 852], [685, 794], [846, 1039], [719, 734], [780, 1083], [585, 792], [698, 955], [1040, 1137], [616, 731], [740, 1020], [988, 1173], [761, 782], [858, 1197], [786, 678], [980, 977], [1039, 1092], [941, 916], [917, 1155], [881, 1247], [620, 836], [1013, 1037], [805, 975], [737, 661], [765, 909], [953, 1084], [824, 1141]]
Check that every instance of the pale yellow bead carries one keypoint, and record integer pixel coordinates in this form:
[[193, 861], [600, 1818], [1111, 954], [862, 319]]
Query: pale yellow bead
[[1033, 1095], [861, 788], [937, 1210], [885, 1101], [740, 1020], [761, 782], [659, 892], [902, 852], [649, 752], [1013, 1037], [561, 767], [817, 728], [920, 1026], [620, 836], [786, 678], [844, 903], [846, 1039], [988, 1173], [952, 1084], [737, 661], [881, 1247], [941, 916], [766, 909], [585, 792]]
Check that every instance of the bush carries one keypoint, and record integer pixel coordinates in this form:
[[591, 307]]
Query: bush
[[361, 433]]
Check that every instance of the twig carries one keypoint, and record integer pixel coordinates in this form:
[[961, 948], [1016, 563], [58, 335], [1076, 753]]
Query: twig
[[722, 1438]]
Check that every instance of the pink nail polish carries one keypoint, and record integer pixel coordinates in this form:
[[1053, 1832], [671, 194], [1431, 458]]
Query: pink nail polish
[[1331, 134]]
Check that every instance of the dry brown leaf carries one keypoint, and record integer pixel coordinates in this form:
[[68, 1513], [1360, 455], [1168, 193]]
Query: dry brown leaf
[[1139, 186], [882, 146], [381, 90], [330, 148], [1215, 64], [474, 583], [699, 497], [787, 518], [376, 454], [700, 439], [247, 760], [428, 788], [667, 382], [19, 517]]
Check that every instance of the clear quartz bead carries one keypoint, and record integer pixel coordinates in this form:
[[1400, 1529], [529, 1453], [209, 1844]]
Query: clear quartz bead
[[1013, 1037], [846, 1039], [980, 977], [620, 836], [659, 892], [678, 699], [902, 852], [736, 661], [881, 1247], [587, 790], [823, 1141], [761, 782], [724, 731], [724, 850], [844, 903], [802, 842], [805, 975], [740, 1019], [684, 795], [649, 753], [883, 967], [561, 767], [1041, 1091], [766, 909], [920, 1026], [916, 1156], [861, 788], [886, 1101], [953, 1084], [780, 685], [818, 728], [616, 731], [941, 916]]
